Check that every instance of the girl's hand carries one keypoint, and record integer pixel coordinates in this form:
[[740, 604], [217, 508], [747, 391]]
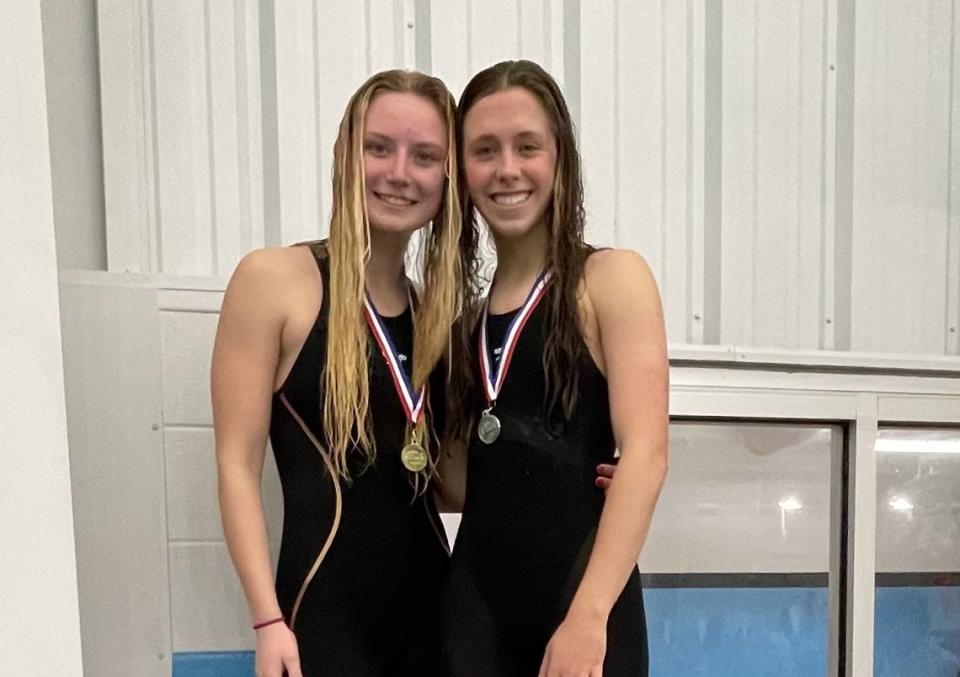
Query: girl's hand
[[605, 473], [577, 648], [277, 652]]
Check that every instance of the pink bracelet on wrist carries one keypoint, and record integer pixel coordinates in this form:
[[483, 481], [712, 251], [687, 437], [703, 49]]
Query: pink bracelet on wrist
[[278, 619]]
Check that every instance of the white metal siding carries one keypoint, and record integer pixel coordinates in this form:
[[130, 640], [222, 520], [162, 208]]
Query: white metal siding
[[709, 135]]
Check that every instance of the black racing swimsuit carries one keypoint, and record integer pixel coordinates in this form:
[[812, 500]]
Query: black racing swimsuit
[[371, 606], [529, 524]]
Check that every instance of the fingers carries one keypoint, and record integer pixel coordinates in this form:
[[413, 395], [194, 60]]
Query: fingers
[[606, 470]]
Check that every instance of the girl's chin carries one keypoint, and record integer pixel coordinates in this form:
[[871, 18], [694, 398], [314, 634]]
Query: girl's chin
[[388, 228], [512, 229]]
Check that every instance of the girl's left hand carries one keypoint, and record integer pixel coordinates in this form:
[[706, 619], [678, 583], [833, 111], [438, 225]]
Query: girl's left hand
[[577, 648]]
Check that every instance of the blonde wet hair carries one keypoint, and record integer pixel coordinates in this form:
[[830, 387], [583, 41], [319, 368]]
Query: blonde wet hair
[[346, 402]]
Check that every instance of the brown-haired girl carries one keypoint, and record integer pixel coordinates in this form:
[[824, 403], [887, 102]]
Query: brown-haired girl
[[314, 349], [568, 363]]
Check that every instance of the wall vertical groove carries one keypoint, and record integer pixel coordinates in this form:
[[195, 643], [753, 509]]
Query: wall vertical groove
[[269, 129], [616, 128], [713, 320], [952, 309], [663, 264], [318, 103], [212, 227]]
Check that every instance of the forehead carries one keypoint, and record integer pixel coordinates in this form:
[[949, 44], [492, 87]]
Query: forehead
[[508, 112], [407, 116]]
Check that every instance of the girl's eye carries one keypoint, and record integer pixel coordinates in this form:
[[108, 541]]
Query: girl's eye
[[483, 151], [426, 158], [528, 148], [376, 149]]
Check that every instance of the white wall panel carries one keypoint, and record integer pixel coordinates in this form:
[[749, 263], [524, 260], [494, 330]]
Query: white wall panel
[[642, 142], [186, 340], [902, 176], [468, 36], [126, 106], [297, 121], [383, 46], [193, 513], [494, 27], [598, 115], [183, 136], [720, 167], [342, 40], [772, 173], [234, 128], [450, 47], [113, 389], [252, 229], [208, 611], [953, 236], [180, 95]]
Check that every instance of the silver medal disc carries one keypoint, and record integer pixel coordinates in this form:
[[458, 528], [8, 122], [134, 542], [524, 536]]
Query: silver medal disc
[[488, 429]]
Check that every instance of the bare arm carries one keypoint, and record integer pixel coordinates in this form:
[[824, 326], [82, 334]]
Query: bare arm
[[245, 358], [629, 317]]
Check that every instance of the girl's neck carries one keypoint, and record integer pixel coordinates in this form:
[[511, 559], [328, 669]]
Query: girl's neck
[[521, 258], [385, 275], [519, 261]]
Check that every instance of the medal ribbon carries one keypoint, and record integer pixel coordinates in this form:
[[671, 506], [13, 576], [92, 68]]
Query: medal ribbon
[[412, 402], [494, 375]]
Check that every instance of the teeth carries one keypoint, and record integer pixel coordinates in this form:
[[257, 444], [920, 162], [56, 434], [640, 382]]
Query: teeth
[[393, 200], [511, 198]]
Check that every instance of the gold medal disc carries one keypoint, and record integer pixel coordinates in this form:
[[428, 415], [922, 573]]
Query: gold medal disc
[[413, 457]]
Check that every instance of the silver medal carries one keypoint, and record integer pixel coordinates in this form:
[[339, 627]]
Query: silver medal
[[493, 375], [488, 428]]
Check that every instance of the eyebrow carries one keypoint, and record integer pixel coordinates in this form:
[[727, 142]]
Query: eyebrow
[[528, 134], [420, 145]]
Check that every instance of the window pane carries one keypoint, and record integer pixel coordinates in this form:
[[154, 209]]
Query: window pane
[[917, 615], [736, 563]]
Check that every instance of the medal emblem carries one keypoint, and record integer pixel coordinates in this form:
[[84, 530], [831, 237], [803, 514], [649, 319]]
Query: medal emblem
[[488, 428], [413, 457]]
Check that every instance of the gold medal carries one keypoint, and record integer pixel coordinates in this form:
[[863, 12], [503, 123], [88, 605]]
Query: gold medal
[[413, 456]]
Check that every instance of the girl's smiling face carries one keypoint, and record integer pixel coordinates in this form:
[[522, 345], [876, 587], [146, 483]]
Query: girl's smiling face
[[404, 154], [509, 159]]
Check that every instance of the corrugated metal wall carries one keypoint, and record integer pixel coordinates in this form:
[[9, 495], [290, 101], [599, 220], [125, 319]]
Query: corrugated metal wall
[[786, 167]]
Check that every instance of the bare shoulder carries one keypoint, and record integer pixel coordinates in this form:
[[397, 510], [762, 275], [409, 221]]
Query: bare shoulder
[[619, 275], [264, 276], [273, 264]]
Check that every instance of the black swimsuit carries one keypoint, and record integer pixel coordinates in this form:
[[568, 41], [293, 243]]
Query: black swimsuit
[[529, 524], [370, 607]]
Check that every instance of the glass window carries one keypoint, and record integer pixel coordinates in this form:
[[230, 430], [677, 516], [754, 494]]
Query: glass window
[[917, 612], [735, 567]]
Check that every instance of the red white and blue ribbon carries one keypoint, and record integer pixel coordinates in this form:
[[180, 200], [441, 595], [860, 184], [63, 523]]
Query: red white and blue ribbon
[[412, 401], [495, 374]]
